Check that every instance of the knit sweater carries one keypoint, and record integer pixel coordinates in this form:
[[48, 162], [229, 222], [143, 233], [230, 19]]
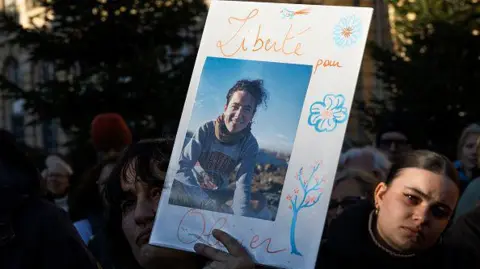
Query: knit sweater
[[205, 154]]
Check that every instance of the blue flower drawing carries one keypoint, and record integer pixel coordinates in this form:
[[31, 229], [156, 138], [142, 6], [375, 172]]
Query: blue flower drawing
[[347, 31], [327, 114]]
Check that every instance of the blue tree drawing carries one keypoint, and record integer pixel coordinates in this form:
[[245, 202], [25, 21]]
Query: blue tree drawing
[[311, 192]]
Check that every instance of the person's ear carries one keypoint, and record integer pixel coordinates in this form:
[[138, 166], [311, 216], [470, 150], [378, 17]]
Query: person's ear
[[225, 108], [379, 194]]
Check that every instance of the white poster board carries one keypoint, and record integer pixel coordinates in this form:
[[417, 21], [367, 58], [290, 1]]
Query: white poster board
[[263, 173]]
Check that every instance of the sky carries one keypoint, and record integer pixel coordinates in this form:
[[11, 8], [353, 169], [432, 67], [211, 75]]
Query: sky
[[274, 126]]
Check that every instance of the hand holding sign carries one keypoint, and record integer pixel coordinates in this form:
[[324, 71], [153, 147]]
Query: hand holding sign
[[236, 258]]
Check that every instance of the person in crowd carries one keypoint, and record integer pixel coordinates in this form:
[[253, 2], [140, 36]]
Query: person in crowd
[[392, 141], [466, 163], [110, 134], [34, 233], [347, 144], [87, 209], [86, 201], [403, 228], [219, 147], [470, 198], [464, 239], [57, 176], [367, 159], [133, 192], [350, 187]]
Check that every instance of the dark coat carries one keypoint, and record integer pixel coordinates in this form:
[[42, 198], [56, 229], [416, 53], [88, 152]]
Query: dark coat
[[349, 245], [44, 239], [463, 238]]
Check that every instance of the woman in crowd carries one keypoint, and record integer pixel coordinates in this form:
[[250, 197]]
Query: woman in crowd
[[57, 175], [466, 163], [470, 198], [404, 226], [133, 192], [393, 141], [350, 187], [367, 159]]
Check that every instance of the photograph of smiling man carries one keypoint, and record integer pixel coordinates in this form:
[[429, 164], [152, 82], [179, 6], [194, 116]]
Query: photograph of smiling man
[[241, 133]]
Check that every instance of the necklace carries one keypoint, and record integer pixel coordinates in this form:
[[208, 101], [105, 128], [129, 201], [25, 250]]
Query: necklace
[[370, 230]]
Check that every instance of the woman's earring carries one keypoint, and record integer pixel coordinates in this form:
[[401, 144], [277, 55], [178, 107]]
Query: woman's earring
[[376, 210]]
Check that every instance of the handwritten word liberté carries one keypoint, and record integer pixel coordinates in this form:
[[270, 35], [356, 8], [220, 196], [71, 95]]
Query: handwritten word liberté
[[205, 235], [229, 48], [262, 43]]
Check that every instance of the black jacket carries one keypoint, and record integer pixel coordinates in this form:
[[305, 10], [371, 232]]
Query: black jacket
[[463, 238]]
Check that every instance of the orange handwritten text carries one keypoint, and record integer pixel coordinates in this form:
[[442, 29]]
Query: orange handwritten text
[[238, 42], [187, 235], [326, 63], [256, 238]]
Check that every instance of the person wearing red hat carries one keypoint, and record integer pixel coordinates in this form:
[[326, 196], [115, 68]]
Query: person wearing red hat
[[110, 134]]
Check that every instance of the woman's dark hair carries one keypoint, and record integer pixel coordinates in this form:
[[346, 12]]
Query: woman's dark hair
[[253, 87], [427, 160], [141, 154]]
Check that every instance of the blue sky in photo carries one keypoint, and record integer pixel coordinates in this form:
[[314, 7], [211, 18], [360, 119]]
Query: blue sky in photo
[[275, 126]]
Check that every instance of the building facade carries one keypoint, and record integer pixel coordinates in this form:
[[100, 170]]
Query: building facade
[[15, 65]]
